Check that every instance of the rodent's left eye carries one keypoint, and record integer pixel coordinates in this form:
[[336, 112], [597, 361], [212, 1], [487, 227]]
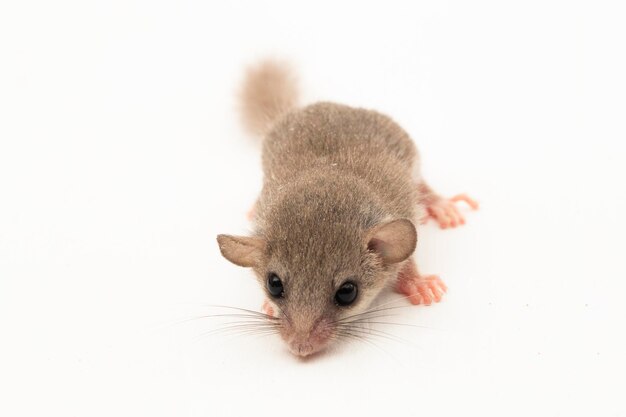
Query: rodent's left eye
[[346, 294], [275, 285]]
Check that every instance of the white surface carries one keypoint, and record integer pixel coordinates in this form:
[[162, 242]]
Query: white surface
[[121, 158]]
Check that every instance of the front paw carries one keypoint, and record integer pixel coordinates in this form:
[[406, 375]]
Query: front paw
[[268, 309], [421, 289]]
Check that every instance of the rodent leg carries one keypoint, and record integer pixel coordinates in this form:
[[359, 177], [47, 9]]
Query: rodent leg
[[443, 210], [419, 289]]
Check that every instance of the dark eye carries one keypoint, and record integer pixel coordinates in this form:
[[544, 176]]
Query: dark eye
[[346, 294], [275, 285]]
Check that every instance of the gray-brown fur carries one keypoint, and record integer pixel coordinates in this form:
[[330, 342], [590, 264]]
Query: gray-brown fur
[[334, 178], [332, 173]]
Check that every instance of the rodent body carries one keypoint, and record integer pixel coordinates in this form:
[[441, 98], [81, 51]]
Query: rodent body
[[335, 220]]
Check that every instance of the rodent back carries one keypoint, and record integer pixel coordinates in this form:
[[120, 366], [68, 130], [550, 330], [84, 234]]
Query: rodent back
[[349, 141]]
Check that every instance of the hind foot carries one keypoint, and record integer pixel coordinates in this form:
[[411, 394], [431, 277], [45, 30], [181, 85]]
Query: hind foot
[[445, 212]]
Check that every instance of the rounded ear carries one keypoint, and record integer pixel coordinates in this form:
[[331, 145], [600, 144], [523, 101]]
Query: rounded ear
[[242, 250], [393, 241]]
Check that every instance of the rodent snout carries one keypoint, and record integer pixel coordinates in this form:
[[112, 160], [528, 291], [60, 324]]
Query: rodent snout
[[306, 340]]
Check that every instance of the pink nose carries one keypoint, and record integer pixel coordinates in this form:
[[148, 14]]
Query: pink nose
[[302, 348], [307, 342]]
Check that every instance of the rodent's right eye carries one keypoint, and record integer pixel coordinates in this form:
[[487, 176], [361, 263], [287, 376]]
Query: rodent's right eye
[[275, 285]]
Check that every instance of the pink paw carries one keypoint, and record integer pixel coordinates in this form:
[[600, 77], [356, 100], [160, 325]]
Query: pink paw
[[267, 308], [421, 290], [445, 212]]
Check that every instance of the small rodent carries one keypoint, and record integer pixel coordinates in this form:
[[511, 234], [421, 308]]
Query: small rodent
[[335, 220]]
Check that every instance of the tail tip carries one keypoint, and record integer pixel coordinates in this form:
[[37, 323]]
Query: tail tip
[[270, 89]]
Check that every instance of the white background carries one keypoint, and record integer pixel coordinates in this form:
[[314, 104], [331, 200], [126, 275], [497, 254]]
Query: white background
[[121, 158]]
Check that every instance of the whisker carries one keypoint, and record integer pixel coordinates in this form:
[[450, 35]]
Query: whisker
[[250, 316], [379, 333], [239, 326], [239, 330], [348, 335], [258, 313], [232, 335], [372, 315], [392, 324], [260, 319], [373, 310]]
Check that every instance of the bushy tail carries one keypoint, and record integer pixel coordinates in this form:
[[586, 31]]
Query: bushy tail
[[269, 90]]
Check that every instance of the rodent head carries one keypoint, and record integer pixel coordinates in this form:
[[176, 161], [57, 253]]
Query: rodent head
[[317, 278]]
